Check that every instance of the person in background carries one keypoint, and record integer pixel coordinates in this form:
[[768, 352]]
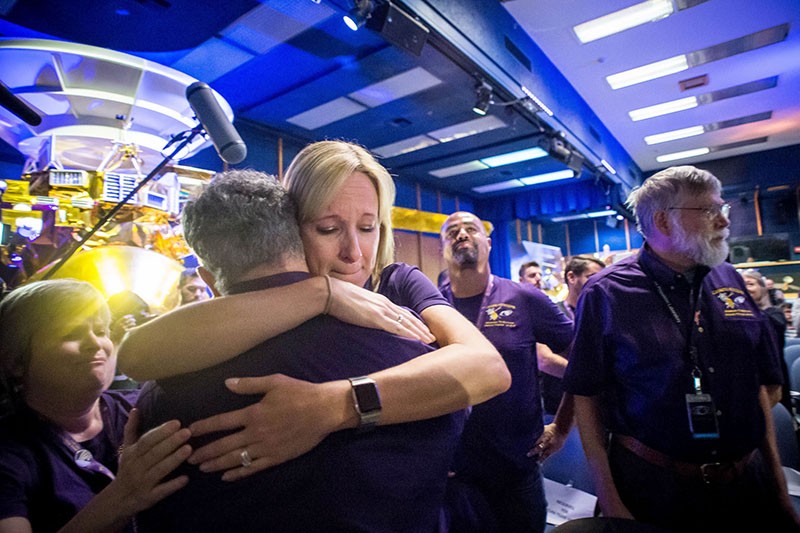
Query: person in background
[[791, 329], [61, 431], [552, 366], [371, 479], [128, 310], [757, 287], [531, 272], [192, 287], [497, 462], [674, 360], [344, 199]]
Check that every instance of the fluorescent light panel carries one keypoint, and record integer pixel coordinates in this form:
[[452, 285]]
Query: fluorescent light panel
[[412, 144], [652, 71], [326, 113], [455, 170], [514, 157], [595, 214], [683, 155], [490, 162], [666, 108], [608, 166], [467, 129], [409, 82], [675, 134], [624, 19], [549, 176], [502, 186]]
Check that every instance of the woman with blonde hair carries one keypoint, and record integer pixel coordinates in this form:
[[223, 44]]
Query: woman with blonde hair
[[344, 199]]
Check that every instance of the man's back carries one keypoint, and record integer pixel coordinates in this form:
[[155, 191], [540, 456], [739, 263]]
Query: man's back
[[390, 478]]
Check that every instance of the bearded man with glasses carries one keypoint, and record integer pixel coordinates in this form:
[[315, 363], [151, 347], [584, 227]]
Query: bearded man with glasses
[[675, 371]]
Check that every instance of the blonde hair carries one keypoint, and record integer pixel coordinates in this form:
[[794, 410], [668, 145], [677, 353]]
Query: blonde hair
[[318, 172]]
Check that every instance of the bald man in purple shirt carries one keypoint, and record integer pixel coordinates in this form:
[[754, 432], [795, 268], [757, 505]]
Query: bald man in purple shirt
[[502, 441]]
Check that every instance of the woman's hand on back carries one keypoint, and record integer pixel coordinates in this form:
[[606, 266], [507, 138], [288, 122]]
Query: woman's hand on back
[[146, 461], [361, 307]]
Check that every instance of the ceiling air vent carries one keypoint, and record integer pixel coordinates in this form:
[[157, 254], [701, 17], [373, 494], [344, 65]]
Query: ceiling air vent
[[693, 83]]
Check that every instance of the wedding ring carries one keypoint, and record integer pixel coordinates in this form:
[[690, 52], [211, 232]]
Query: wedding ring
[[246, 460], [399, 319]]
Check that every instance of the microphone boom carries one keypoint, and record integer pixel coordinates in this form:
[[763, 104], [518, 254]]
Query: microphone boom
[[229, 145]]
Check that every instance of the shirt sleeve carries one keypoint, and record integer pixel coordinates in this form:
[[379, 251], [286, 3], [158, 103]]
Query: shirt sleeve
[[406, 285], [15, 482], [551, 326], [584, 374]]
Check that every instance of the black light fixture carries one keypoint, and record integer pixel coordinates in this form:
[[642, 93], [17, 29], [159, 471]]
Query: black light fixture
[[358, 16], [484, 91], [559, 149]]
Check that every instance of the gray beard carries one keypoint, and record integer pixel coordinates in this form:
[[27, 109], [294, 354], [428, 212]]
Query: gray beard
[[699, 249]]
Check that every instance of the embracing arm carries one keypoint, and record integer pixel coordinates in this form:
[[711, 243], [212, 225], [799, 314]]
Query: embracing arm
[[295, 415], [465, 371], [203, 334]]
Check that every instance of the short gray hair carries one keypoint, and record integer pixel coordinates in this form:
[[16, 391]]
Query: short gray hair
[[241, 220], [663, 189]]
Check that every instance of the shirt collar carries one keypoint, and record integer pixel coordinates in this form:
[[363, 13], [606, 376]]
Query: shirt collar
[[654, 266], [267, 282]]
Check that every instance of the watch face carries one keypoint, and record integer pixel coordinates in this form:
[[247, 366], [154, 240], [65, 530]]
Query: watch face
[[367, 397]]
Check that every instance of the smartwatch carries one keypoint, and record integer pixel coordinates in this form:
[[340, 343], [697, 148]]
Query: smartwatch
[[366, 401]]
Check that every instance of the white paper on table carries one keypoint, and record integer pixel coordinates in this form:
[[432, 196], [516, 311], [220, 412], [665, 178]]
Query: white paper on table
[[792, 480], [567, 503]]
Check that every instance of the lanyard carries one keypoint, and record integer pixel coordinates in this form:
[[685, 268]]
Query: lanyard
[[83, 458], [697, 374]]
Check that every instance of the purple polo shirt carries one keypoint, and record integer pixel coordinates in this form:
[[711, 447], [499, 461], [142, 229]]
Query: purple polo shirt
[[391, 478], [407, 286], [39, 479], [500, 431], [630, 351]]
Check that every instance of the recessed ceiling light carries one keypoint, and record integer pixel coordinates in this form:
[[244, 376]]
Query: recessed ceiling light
[[686, 154], [548, 177], [711, 126], [659, 69], [624, 19], [514, 157], [666, 108], [501, 186], [674, 135], [679, 63]]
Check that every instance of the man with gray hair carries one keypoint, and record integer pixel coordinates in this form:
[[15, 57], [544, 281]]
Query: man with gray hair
[[675, 361], [243, 229]]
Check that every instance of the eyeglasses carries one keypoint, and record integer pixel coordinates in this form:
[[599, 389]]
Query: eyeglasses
[[711, 212]]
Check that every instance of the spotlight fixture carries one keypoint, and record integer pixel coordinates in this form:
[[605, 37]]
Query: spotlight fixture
[[358, 16], [560, 150], [484, 92]]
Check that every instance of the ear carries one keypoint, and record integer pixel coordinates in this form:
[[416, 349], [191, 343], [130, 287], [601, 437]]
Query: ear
[[662, 223], [489, 242], [570, 278], [208, 277]]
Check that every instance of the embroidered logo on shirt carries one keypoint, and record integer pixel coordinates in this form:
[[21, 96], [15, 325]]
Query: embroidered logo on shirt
[[500, 315], [734, 301]]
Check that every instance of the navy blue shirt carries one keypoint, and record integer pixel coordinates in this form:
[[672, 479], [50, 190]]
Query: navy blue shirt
[[631, 352], [500, 431], [39, 479], [390, 478]]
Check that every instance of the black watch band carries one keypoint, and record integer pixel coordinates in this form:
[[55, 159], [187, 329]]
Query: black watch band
[[366, 401]]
